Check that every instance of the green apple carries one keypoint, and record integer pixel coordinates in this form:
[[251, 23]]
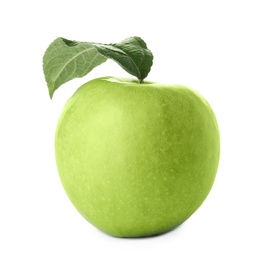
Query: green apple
[[136, 159]]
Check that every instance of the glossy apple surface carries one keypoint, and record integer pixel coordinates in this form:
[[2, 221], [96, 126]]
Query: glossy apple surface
[[136, 159]]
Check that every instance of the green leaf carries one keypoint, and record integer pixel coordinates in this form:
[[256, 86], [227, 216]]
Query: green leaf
[[65, 60], [131, 54]]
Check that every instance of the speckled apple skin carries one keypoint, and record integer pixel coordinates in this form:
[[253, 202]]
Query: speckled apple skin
[[136, 159]]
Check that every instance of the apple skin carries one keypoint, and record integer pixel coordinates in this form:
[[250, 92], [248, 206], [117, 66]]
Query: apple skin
[[136, 159]]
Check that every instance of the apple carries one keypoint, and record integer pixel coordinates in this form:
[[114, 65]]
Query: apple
[[136, 159]]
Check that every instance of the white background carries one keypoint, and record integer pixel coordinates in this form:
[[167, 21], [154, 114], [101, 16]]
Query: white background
[[215, 47]]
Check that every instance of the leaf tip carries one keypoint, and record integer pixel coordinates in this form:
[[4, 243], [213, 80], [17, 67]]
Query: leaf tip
[[51, 93]]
